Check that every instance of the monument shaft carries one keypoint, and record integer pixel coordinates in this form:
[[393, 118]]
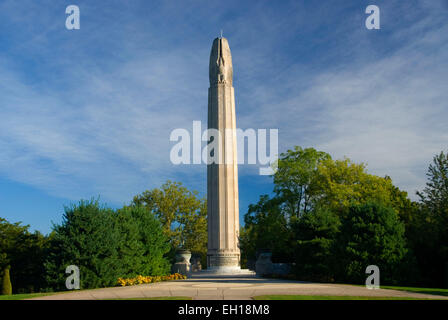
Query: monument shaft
[[222, 177]]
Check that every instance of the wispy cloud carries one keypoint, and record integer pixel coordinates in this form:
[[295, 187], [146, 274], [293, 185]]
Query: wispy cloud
[[387, 107], [91, 112]]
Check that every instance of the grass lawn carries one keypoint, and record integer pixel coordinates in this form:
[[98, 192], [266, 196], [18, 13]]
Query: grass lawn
[[440, 292], [34, 295], [299, 297], [24, 296]]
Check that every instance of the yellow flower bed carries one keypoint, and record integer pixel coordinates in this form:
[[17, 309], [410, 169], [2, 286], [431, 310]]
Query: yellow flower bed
[[149, 279]]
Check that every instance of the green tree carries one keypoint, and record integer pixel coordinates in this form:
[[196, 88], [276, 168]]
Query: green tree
[[313, 193], [428, 226], [11, 236], [106, 244], [307, 177], [153, 241], [28, 263], [295, 177], [86, 238], [265, 227], [129, 247], [194, 232], [435, 195], [182, 213], [341, 183], [315, 235], [23, 252], [370, 234]]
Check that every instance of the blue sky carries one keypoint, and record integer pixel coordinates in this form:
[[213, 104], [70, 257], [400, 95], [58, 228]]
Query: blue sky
[[89, 112]]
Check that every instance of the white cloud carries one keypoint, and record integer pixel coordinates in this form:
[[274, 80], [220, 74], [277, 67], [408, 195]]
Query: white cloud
[[389, 111], [88, 119]]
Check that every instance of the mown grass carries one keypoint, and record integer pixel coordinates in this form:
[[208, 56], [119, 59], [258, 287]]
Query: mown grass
[[435, 291], [301, 297], [23, 296]]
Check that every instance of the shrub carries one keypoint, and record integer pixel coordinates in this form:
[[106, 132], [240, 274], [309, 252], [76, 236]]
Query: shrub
[[106, 244], [6, 287]]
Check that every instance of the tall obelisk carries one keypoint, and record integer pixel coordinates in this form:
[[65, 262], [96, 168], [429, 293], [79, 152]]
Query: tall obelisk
[[222, 178]]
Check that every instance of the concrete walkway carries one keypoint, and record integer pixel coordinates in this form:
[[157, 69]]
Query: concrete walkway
[[229, 288]]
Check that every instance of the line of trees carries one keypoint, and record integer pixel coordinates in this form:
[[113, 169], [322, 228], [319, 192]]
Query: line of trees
[[106, 244], [332, 219], [22, 252]]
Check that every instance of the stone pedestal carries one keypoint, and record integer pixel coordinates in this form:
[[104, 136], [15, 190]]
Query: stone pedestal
[[251, 264], [196, 263], [264, 265], [224, 272]]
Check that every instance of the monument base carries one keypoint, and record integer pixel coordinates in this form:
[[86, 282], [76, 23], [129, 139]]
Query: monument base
[[223, 259], [181, 268], [223, 271]]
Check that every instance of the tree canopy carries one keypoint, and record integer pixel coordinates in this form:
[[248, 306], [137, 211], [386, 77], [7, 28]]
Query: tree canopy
[[317, 201], [22, 253], [370, 234], [106, 244], [182, 213]]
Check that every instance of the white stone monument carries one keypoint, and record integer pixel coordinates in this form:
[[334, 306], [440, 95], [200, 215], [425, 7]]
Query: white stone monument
[[223, 255]]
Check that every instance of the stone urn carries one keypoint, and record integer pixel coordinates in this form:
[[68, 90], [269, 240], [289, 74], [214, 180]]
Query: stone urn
[[182, 264], [183, 255]]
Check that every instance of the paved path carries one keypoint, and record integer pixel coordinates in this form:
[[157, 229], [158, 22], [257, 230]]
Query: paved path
[[229, 288]]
